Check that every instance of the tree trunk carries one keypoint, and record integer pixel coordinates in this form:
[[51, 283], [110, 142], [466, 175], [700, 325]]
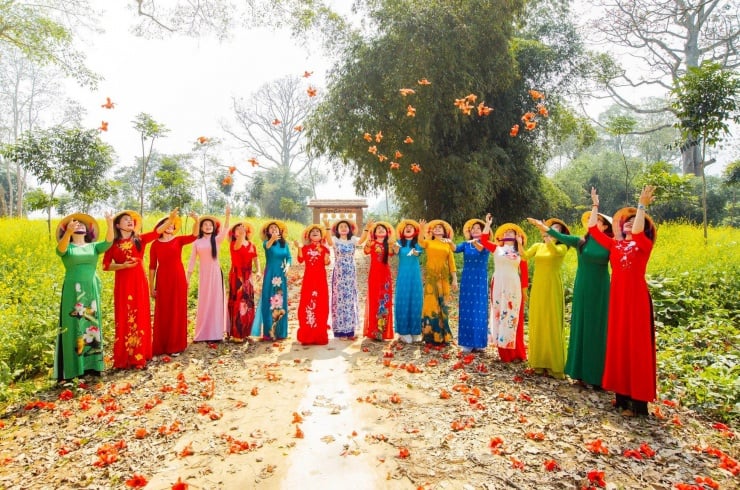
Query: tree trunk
[[691, 160]]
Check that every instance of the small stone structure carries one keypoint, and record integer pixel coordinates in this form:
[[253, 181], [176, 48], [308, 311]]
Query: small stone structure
[[336, 209]]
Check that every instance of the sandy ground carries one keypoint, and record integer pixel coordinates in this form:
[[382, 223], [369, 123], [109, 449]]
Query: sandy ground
[[354, 414]]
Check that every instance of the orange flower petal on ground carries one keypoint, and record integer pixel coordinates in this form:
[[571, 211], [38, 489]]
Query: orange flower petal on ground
[[253, 162], [416, 168], [372, 149], [403, 452], [378, 136], [368, 137], [395, 165], [394, 398], [542, 110], [597, 446], [136, 481], [203, 140], [298, 432], [398, 155], [410, 111], [407, 91], [551, 465], [307, 74], [276, 121], [103, 126], [408, 140], [109, 104], [536, 95], [232, 169], [187, 450], [530, 125], [298, 128], [528, 116], [228, 180], [514, 130], [141, 433], [423, 81], [297, 419], [382, 158], [179, 485], [311, 91]]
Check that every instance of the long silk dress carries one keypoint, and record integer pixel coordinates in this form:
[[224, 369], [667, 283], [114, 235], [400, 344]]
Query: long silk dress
[[519, 352], [440, 265], [170, 333], [133, 344], [546, 308], [506, 295], [79, 342], [210, 318], [472, 330], [379, 305], [271, 320], [589, 310], [630, 366], [240, 304], [345, 312], [313, 307], [408, 299]]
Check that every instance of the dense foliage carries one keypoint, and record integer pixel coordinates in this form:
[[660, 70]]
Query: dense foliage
[[466, 162]]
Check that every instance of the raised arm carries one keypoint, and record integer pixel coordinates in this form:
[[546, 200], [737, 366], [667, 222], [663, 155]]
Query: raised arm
[[327, 228], [484, 236], [646, 197]]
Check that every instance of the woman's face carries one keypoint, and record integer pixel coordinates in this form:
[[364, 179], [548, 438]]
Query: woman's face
[[510, 234], [380, 231], [343, 229], [170, 229], [80, 228], [476, 230], [273, 230], [206, 226], [557, 227], [601, 224], [314, 235], [409, 231], [627, 227], [126, 223], [240, 231], [438, 230]]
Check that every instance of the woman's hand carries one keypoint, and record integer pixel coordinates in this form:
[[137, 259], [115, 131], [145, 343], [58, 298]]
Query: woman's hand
[[647, 195], [539, 224], [594, 197], [489, 219]]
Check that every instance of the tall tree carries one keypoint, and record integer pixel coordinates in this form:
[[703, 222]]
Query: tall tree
[[71, 158], [149, 131], [270, 131], [270, 124], [706, 101], [466, 163], [663, 39], [28, 93], [173, 184]]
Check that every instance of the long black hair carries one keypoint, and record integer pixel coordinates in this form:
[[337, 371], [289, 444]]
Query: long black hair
[[214, 248], [134, 237]]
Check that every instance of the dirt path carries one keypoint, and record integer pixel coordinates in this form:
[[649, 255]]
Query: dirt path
[[353, 414]]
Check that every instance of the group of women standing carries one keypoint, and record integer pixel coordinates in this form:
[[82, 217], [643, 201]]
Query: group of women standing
[[612, 341], [612, 334]]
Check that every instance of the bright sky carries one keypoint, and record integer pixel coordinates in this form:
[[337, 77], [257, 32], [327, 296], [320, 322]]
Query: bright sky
[[186, 84]]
